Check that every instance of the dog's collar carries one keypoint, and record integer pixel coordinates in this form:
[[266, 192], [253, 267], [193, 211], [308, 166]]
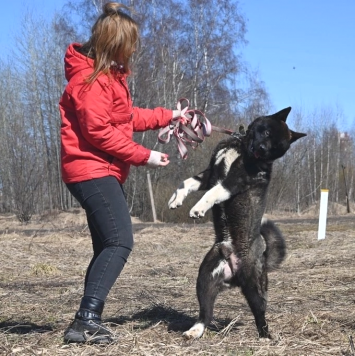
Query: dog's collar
[[240, 133]]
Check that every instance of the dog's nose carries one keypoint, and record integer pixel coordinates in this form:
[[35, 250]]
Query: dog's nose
[[262, 148]]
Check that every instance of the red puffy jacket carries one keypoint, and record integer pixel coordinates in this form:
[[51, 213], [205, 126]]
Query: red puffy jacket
[[98, 121]]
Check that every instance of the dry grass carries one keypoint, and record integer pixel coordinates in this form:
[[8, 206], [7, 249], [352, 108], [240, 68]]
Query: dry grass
[[311, 308]]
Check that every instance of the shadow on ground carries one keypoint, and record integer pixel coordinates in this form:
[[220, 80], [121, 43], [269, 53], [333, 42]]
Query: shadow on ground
[[16, 327], [177, 321]]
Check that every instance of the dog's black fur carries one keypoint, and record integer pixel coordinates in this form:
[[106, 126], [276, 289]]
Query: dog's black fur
[[246, 245]]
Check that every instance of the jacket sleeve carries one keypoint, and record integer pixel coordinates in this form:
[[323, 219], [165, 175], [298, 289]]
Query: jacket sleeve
[[151, 119], [93, 105]]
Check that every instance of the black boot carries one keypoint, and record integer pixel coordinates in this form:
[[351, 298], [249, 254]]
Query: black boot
[[86, 326]]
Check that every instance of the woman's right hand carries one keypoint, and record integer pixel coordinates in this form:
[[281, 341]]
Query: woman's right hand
[[182, 118]]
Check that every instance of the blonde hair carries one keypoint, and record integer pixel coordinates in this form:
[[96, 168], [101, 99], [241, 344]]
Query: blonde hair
[[114, 38]]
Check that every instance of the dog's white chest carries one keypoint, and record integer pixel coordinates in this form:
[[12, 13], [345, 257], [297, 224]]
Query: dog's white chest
[[228, 156]]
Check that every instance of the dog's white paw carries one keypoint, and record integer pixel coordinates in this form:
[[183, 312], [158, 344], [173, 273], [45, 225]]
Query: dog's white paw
[[177, 198], [196, 214], [265, 340], [199, 210], [195, 332]]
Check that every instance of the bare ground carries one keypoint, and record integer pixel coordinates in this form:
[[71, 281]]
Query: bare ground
[[311, 309]]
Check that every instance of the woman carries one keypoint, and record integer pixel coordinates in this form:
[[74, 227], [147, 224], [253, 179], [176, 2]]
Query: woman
[[98, 121]]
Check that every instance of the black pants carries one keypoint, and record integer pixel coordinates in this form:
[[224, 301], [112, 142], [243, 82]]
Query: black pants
[[111, 232]]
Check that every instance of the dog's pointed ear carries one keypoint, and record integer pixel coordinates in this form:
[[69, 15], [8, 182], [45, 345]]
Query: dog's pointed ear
[[296, 135], [282, 114]]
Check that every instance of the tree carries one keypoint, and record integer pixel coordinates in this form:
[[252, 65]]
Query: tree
[[20, 169]]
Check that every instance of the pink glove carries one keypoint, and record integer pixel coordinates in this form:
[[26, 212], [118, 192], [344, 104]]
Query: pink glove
[[157, 159]]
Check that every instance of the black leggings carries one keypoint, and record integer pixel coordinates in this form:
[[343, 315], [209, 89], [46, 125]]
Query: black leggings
[[111, 232]]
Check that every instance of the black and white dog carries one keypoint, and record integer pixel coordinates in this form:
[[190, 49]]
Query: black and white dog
[[246, 246]]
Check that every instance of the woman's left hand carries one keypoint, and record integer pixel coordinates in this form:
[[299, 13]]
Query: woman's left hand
[[158, 159]]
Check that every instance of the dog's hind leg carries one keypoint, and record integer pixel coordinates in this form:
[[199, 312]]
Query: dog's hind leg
[[209, 284], [254, 288]]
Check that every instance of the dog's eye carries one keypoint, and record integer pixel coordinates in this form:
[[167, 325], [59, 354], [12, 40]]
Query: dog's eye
[[267, 133]]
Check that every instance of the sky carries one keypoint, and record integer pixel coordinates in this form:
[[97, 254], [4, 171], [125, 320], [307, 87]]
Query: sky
[[303, 50]]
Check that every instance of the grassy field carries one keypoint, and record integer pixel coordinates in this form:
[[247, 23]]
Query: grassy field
[[311, 308]]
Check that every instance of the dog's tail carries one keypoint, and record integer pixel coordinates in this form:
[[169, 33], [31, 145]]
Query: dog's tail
[[275, 244]]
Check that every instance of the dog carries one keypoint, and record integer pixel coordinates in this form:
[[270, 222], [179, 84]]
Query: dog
[[246, 245]]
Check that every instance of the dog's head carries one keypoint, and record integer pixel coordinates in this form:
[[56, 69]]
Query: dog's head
[[269, 138]]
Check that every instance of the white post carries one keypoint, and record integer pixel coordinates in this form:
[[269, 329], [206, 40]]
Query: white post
[[151, 197], [323, 214]]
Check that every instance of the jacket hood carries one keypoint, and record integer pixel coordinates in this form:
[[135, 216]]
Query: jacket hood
[[75, 62]]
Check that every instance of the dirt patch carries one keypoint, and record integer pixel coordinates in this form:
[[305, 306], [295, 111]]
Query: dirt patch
[[311, 309]]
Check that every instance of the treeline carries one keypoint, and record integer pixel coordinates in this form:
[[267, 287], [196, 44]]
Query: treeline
[[186, 51]]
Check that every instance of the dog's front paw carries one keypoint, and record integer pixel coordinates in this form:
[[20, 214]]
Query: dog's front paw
[[177, 198], [197, 213], [195, 332], [200, 209]]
